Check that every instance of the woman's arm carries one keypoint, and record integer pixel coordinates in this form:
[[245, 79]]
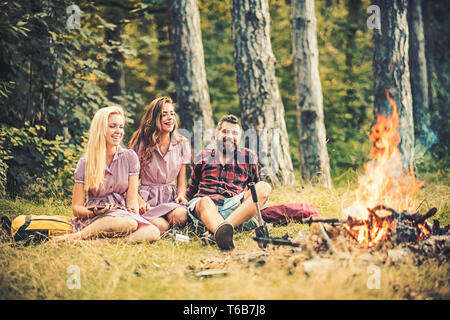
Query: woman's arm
[[78, 208], [181, 181], [132, 193], [181, 185]]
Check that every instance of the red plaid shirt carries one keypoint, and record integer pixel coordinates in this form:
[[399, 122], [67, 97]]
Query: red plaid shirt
[[211, 178]]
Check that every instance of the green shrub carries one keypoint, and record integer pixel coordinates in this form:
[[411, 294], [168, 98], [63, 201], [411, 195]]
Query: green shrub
[[37, 167]]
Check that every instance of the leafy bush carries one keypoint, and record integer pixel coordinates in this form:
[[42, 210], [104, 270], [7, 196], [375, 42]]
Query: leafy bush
[[37, 167]]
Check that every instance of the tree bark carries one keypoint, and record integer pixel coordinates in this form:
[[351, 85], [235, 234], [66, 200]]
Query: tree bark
[[391, 71], [314, 159], [194, 106], [419, 79], [114, 68], [262, 109]]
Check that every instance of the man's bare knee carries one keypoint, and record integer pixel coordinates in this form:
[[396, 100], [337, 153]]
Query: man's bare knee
[[263, 189], [203, 204]]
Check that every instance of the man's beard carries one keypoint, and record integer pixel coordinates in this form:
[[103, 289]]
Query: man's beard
[[227, 146]]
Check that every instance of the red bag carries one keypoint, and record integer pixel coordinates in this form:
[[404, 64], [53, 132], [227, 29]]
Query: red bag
[[285, 213]]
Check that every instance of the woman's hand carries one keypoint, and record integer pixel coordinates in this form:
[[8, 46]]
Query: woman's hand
[[132, 194], [181, 199], [181, 186], [144, 207], [101, 209]]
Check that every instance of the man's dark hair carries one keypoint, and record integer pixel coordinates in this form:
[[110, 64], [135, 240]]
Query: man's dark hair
[[228, 118]]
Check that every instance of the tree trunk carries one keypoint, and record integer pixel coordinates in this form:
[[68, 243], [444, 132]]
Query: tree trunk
[[193, 102], [262, 110], [114, 68], [310, 119], [391, 72], [419, 79]]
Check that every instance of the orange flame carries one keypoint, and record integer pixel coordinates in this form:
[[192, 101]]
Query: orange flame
[[384, 181]]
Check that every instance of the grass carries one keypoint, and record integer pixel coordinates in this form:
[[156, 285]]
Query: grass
[[113, 269]]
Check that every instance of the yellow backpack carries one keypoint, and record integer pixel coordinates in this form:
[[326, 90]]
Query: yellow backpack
[[36, 228]]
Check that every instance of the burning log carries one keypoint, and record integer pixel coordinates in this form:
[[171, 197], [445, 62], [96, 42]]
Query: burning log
[[383, 223]]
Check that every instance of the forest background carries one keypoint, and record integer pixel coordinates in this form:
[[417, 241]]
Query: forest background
[[54, 79], [55, 73]]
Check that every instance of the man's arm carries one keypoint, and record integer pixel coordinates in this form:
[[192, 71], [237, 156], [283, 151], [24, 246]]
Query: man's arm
[[195, 177]]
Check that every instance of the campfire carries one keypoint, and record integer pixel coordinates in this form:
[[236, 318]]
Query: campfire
[[384, 223], [385, 209], [386, 197]]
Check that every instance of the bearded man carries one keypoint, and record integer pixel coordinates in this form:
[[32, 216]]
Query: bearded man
[[219, 195]]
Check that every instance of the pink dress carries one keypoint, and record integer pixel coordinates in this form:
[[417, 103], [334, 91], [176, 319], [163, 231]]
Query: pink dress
[[158, 177], [124, 164]]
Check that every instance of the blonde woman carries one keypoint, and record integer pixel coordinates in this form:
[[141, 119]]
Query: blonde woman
[[108, 174]]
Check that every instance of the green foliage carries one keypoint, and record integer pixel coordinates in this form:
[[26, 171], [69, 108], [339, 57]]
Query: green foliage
[[345, 68], [437, 42], [282, 47], [53, 80], [37, 167], [215, 20], [149, 72]]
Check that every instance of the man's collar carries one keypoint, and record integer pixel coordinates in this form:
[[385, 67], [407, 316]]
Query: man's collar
[[214, 150]]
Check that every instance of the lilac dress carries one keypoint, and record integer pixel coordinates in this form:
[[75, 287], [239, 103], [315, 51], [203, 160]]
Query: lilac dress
[[124, 164], [158, 177]]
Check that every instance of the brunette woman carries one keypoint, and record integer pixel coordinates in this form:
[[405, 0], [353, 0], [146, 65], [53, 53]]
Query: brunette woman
[[163, 154]]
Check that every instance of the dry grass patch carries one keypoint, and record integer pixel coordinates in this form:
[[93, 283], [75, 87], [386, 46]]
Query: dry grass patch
[[113, 269]]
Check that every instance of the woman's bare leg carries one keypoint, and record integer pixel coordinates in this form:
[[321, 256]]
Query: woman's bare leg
[[162, 224], [145, 232], [102, 225], [177, 217]]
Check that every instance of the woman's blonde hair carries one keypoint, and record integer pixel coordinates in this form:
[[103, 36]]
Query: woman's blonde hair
[[95, 153]]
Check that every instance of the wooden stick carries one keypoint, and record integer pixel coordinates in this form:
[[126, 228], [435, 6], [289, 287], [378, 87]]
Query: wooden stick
[[326, 238]]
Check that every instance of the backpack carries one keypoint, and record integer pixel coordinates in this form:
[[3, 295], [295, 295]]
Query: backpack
[[284, 213], [36, 228]]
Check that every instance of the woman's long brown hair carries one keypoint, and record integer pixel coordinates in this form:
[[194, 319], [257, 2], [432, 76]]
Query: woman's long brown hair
[[150, 129]]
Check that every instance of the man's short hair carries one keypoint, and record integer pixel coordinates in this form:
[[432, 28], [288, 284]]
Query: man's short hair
[[228, 118]]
